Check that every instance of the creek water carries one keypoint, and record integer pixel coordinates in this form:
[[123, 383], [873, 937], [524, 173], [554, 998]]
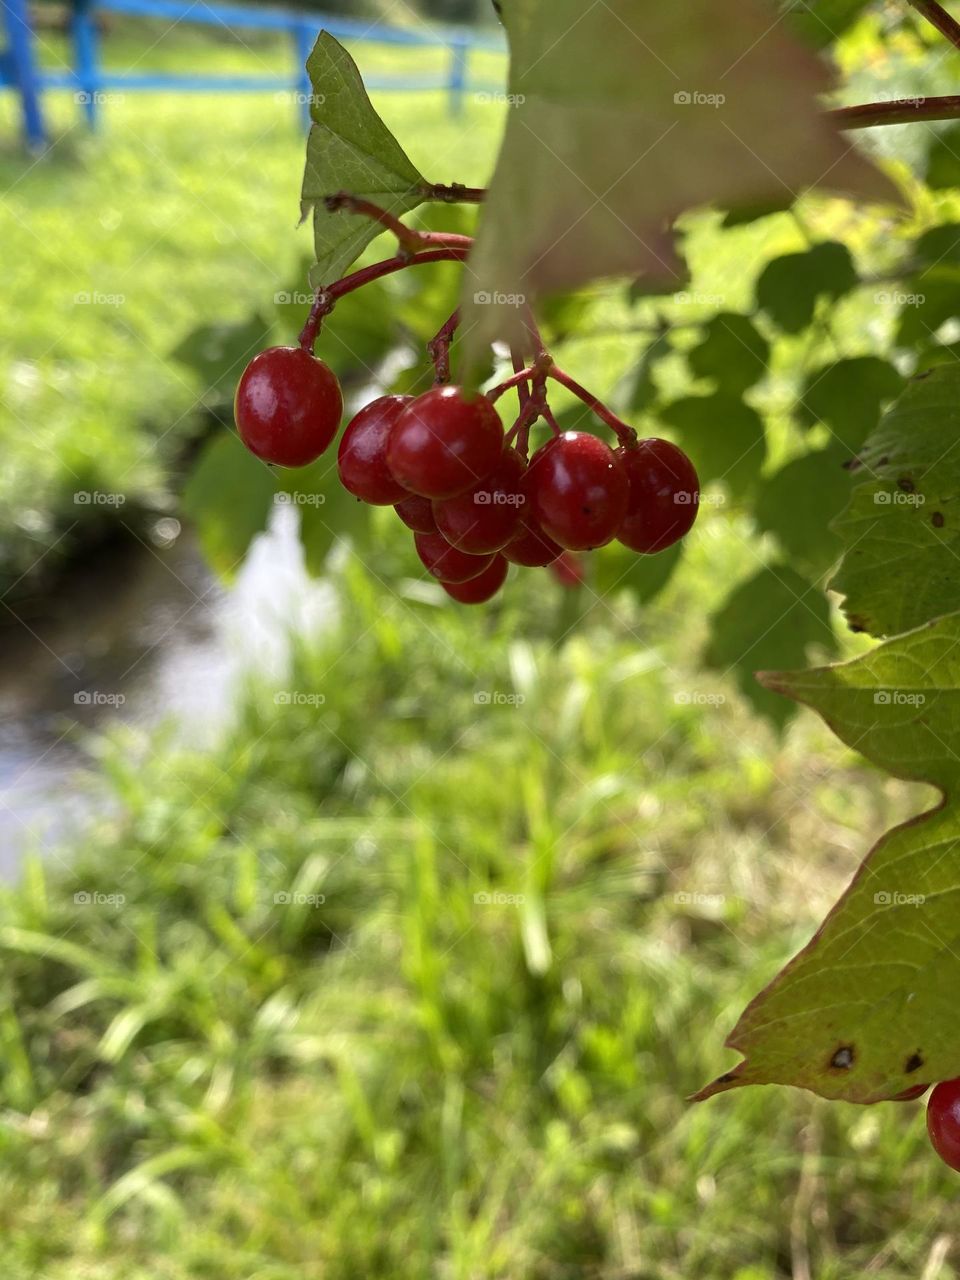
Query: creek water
[[141, 633]]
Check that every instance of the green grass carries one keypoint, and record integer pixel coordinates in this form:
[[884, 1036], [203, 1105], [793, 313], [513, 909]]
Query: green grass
[[406, 1080], [181, 212]]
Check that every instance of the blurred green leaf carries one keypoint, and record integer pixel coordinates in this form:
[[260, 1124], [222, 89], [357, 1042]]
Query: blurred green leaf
[[724, 437], [219, 353], [768, 621], [789, 286], [798, 502], [228, 496], [943, 159], [349, 149], [637, 390], [617, 568], [901, 529], [821, 22], [848, 396], [733, 353]]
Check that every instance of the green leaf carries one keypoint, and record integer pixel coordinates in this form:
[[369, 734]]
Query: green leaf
[[616, 568], [928, 300], [349, 149], [902, 526], [770, 618], [943, 159], [847, 396], [733, 353], [228, 496], [724, 437], [637, 389], [218, 353], [865, 1011], [789, 286], [627, 114], [798, 502]]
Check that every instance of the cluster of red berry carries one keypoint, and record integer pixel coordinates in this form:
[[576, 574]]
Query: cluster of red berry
[[474, 503]]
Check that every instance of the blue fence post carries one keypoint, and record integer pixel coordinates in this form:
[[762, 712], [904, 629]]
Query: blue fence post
[[83, 28], [458, 75], [24, 67], [304, 34]]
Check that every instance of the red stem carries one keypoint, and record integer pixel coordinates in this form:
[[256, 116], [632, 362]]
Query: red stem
[[515, 379], [455, 193], [626, 435], [439, 347], [937, 15], [327, 296], [866, 115]]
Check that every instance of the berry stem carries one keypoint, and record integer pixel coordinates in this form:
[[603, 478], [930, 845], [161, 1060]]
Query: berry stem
[[327, 295], [626, 435], [938, 16], [867, 115], [438, 348], [454, 193], [515, 380], [409, 238]]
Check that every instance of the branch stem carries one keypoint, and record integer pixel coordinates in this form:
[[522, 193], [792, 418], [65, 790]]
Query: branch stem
[[938, 16], [867, 115]]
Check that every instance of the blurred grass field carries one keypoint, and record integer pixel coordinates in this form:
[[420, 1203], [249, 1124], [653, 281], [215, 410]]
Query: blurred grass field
[[555, 859]]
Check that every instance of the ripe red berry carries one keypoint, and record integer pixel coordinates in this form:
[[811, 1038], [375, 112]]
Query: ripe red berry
[[531, 546], [664, 495], [578, 490], [362, 456], [416, 513], [445, 442], [288, 406], [487, 516], [445, 562], [568, 569], [943, 1122], [483, 587]]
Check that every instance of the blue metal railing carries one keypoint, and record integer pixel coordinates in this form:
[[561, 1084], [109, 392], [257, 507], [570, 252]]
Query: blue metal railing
[[90, 81]]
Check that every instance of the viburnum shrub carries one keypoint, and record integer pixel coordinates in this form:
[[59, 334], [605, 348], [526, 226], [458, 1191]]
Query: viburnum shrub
[[821, 390]]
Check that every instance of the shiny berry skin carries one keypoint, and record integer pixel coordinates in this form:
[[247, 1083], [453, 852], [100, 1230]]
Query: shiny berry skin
[[288, 406], [483, 587], [362, 456], [531, 547], [416, 513], [664, 495], [943, 1122], [444, 443], [578, 490], [446, 563], [487, 516]]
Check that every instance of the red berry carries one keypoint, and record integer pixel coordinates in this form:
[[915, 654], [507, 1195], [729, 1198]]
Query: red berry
[[578, 490], [664, 495], [362, 456], [288, 406], [531, 546], [487, 516], [416, 513], [445, 442], [943, 1122], [445, 562], [483, 587]]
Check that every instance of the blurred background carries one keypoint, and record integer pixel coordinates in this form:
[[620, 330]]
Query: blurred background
[[347, 932]]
